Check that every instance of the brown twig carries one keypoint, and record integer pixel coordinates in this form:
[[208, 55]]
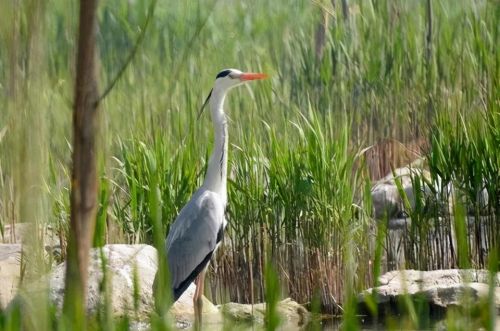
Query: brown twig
[[132, 53]]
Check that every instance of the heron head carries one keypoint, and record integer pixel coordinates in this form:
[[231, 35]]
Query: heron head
[[229, 78]]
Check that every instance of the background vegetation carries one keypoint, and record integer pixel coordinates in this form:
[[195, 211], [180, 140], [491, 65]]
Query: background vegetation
[[345, 91]]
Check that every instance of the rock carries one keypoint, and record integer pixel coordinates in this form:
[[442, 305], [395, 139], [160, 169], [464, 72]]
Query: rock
[[139, 326], [10, 270], [385, 195], [16, 233], [13, 233], [388, 202], [182, 312], [481, 202], [122, 262], [293, 314], [125, 261], [440, 288]]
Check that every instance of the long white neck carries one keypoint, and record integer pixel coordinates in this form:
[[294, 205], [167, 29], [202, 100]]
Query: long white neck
[[216, 177]]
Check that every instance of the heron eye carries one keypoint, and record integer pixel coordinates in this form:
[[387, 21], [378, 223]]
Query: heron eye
[[232, 76]]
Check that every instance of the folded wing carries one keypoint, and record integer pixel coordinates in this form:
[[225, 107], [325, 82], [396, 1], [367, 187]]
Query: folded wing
[[193, 238]]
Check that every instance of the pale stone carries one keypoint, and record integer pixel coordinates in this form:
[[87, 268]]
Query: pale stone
[[293, 315], [385, 194], [18, 232], [121, 261], [182, 311], [441, 288], [10, 270]]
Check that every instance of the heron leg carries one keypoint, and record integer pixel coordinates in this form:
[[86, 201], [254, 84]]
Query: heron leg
[[198, 300]]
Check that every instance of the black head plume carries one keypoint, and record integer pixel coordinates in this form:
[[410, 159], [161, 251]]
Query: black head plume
[[223, 73], [204, 104]]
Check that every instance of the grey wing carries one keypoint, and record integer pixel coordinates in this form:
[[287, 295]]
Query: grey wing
[[193, 238]]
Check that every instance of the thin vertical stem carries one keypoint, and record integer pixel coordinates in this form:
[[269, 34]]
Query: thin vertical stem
[[84, 182]]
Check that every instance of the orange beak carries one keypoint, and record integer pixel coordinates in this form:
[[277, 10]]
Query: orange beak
[[252, 76]]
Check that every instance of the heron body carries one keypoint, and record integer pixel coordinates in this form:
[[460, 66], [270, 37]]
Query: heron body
[[199, 227]]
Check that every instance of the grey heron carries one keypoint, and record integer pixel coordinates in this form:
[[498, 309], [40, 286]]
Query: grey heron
[[199, 227]]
